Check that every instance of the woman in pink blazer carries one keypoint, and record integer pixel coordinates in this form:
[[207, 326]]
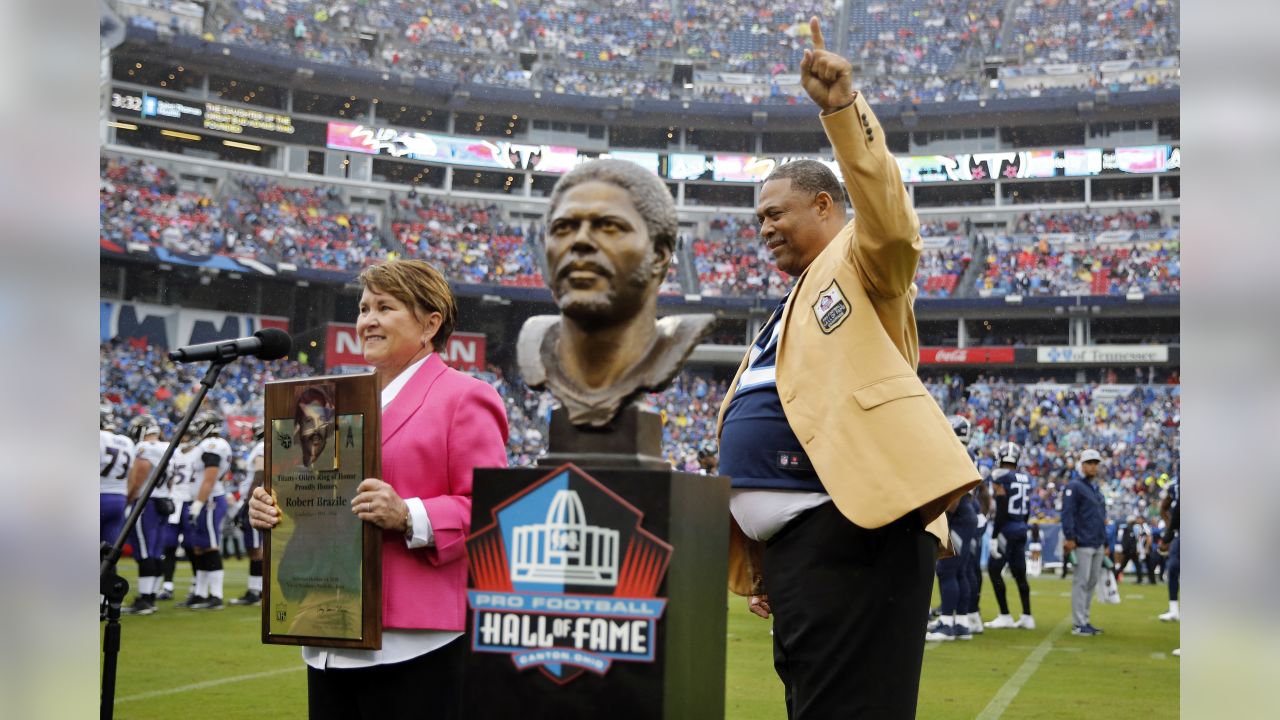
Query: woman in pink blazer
[[438, 425]]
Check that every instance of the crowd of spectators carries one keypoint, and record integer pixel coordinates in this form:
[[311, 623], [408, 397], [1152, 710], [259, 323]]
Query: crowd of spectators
[[732, 261], [255, 217], [1093, 31], [1086, 222], [1136, 428], [1042, 268], [136, 378], [918, 51], [469, 243], [939, 269]]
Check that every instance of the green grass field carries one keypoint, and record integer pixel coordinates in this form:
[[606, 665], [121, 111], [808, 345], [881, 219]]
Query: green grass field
[[194, 664]]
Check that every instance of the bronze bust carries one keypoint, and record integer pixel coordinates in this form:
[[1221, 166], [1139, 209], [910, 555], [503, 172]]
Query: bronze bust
[[611, 231]]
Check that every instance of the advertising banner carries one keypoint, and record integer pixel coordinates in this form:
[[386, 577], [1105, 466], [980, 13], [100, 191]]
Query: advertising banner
[[1102, 354]]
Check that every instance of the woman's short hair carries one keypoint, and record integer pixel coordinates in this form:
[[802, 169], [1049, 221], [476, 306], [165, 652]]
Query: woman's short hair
[[419, 286]]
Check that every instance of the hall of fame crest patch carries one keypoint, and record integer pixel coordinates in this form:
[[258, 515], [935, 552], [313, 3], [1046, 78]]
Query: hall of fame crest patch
[[831, 308]]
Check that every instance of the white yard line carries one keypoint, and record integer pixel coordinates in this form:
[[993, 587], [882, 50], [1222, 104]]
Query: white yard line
[[208, 684], [995, 709]]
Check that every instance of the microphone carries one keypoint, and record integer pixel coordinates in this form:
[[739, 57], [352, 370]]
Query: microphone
[[267, 344]]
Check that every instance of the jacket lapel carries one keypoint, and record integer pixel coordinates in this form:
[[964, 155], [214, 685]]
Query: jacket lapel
[[411, 396]]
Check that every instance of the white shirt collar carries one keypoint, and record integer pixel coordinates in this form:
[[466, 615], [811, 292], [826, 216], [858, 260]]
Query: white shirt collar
[[394, 387]]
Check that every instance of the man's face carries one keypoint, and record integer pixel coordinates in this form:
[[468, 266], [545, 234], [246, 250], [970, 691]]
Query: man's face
[[791, 225], [602, 261], [316, 419], [1090, 468]]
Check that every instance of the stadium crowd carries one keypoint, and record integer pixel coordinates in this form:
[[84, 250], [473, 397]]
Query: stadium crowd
[[470, 243], [1092, 31], [1135, 427], [140, 202], [1042, 268], [913, 51]]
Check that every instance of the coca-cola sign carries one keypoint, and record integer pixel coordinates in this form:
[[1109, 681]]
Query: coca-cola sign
[[966, 356]]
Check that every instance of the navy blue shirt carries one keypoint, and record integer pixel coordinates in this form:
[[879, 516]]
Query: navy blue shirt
[[1013, 508], [966, 514], [758, 448], [1084, 513]]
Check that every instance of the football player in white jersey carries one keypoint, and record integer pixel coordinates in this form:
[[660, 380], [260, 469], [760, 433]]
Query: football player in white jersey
[[253, 463], [147, 536], [115, 456], [211, 460], [177, 530]]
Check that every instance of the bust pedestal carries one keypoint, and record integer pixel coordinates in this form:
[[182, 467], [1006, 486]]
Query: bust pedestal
[[598, 581]]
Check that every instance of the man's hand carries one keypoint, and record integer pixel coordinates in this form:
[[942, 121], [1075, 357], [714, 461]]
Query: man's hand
[[827, 77], [1068, 546], [759, 605]]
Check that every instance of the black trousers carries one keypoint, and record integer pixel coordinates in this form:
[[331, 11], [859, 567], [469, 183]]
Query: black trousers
[[849, 610], [428, 686]]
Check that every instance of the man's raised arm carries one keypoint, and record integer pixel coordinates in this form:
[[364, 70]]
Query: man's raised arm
[[887, 243]]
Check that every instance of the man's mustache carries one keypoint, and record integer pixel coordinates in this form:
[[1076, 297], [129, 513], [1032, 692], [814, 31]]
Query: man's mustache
[[575, 265]]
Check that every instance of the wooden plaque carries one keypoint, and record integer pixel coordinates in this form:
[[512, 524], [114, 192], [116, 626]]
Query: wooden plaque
[[322, 565]]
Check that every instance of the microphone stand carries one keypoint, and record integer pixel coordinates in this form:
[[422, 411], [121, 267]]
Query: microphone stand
[[113, 587]]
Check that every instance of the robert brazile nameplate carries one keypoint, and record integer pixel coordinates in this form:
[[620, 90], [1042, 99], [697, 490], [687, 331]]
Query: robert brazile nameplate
[[322, 564]]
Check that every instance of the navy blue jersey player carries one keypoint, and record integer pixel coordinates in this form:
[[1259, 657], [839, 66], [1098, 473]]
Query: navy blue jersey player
[[1011, 491], [953, 576]]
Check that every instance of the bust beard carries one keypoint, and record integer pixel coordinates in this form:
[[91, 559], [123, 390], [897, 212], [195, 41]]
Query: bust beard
[[604, 308]]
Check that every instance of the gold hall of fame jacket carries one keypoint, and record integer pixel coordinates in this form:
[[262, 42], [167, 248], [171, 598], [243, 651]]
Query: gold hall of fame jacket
[[847, 357]]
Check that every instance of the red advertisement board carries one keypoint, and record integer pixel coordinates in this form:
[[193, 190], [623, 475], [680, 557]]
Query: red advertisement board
[[966, 356]]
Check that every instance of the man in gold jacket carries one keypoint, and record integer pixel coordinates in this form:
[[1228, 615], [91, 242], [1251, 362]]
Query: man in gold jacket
[[842, 463]]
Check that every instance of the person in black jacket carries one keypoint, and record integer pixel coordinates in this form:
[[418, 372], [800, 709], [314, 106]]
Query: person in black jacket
[[1084, 514]]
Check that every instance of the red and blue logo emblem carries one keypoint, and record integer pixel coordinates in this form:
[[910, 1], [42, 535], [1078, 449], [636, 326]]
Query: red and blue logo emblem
[[565, 579]]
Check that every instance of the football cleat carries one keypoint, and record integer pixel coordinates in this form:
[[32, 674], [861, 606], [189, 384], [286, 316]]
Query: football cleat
[[165, 595], [975, 623], [1083, 630], [1002, 622], [940, 632], [1171, 616], [191, 601], [139, 607], [1026, 622], [249, 598], [1177, 652], [209, 603], [960, 631]]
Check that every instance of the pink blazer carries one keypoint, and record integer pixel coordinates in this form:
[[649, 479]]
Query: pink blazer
[[441, 426]]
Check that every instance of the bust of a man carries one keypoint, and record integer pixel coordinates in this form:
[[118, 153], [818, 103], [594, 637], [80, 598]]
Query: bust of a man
[[611, 231]]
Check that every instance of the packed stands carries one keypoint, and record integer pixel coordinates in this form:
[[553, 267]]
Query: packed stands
[[919, 51], [1041, 268], [1094, 31], [258, 218], [732, 261], [470, 243], [1136, 428]]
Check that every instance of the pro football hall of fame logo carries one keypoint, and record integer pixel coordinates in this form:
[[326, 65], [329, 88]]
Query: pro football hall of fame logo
[[565, 579]]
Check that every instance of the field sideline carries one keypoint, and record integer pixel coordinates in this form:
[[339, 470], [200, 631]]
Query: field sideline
[[192, 664]]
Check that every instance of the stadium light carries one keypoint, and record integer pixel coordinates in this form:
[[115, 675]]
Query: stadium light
[[179, 135], [242, 146]]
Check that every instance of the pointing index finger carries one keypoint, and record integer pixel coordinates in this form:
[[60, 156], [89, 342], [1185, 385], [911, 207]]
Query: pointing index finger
[[816, 30]]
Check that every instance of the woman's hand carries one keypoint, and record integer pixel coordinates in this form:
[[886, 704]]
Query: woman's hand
[[263, 514], [378, 503]]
